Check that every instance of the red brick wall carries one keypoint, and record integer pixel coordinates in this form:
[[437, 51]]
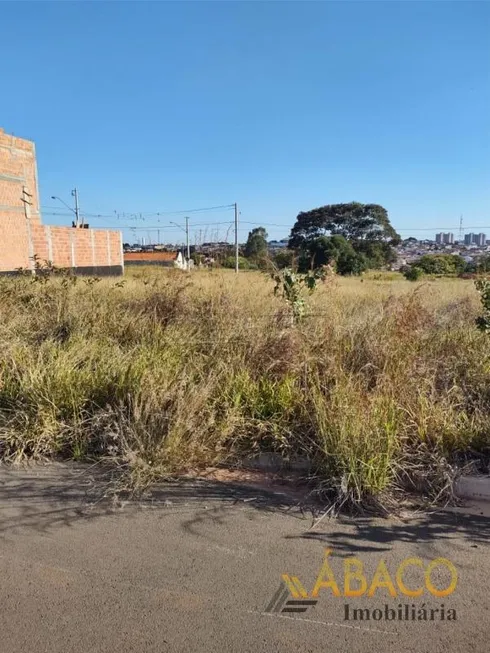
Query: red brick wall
[[40, 242], [22, 234], [79, 248], [14, 244]]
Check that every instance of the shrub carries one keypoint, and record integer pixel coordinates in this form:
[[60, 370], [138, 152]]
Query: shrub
[[441, 264], [412, 273], [483, 321], [229, 262], [290, 286], [284, 258]]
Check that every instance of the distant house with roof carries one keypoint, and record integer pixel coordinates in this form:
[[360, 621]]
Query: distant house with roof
[[164, 259]]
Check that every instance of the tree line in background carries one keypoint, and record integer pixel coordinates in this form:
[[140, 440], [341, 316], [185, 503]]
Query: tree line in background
[[351, 238], [445, 265]]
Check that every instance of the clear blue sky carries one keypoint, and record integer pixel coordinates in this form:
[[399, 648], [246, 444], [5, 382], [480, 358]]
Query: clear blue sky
[[281, 107]]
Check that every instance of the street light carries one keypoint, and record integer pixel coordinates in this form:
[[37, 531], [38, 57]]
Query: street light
[[76, 210], [54, 197]]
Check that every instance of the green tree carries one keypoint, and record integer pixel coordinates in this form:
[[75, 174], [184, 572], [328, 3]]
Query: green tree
[[326, 250], [348, 263], [256, 246], [377, 253], [483, 264], [442, 264], [353, 221], [366, 227], [284, 258], [459, 263]]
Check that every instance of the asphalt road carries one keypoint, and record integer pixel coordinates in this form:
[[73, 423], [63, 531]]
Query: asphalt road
[[195, 568]]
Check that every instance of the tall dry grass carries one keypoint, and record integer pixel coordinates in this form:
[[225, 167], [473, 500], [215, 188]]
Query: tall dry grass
[[384, 385]]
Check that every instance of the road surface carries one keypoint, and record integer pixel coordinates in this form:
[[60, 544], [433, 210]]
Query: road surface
[[196, 566]]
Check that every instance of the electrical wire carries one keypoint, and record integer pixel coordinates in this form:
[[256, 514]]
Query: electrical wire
[[134, 216], [151, 213], [141, 216]]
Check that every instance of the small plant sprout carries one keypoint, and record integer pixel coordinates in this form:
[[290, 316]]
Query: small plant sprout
[[290, 285]]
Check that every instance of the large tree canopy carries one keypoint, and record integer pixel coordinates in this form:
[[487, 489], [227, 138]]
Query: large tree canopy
[[354, 221]]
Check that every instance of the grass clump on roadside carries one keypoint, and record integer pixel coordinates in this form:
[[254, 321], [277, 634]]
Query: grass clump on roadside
[[382, 385]]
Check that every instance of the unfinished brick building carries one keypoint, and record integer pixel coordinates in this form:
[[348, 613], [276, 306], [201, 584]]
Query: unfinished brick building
[[23, 237]]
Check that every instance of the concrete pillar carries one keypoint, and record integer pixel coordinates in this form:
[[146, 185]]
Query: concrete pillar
[[49, 240], [72, 242], [108, 247], [92, 243], [122, 253]]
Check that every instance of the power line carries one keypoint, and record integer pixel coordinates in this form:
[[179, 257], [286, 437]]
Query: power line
[[206, 208], [258, 223], [170, 226], [146, 227], [228, 207]]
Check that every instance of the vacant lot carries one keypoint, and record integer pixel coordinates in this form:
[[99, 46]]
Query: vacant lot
[[383, 385]]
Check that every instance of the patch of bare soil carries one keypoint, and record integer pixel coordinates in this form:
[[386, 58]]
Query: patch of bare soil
[[290, 484]]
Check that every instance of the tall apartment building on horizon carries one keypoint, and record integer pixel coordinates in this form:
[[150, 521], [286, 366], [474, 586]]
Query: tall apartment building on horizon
[[445, 239], [475, 239]]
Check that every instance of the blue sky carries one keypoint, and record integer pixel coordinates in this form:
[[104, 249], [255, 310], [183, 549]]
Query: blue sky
[[279, 106]]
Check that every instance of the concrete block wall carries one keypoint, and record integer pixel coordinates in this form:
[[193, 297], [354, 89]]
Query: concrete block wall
[[22, 234]]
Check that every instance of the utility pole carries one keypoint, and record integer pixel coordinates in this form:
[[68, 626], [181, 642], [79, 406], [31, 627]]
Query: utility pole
[[74, 193], [461, 236], [186, 240], [187, 243], [236, 238]]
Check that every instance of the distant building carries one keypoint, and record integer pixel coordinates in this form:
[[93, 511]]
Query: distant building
[[475, 239], [278, 244], [444, 239], [164, 259]]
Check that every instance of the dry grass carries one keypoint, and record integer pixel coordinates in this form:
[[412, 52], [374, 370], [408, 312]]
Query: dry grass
[[385, 385]]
